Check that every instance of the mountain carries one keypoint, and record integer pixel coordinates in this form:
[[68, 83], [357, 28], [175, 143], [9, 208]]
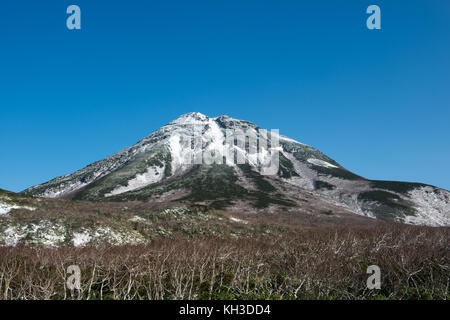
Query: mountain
[[164, 167]]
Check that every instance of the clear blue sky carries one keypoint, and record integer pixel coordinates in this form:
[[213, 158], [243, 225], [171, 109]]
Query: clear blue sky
[[378, 102]]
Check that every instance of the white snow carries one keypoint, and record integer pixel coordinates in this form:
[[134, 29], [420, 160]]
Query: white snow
[[6, 208], [137, 219], [321, 163], [190, 118], [433, 207], [181, 158], [215, 140], [114, 237], [152, 175], [238, 220], [63, 189], [211, 144], [51, 235], [11, 236], [45, 233], [80, 239], [290, 140]]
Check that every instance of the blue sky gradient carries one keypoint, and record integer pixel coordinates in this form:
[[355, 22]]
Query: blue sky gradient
[[375, 101]]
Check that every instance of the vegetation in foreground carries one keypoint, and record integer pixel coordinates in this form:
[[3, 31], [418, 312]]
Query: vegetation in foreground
[[312, 263]]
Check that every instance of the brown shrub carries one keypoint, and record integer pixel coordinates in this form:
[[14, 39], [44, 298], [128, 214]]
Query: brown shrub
[[313, 263]]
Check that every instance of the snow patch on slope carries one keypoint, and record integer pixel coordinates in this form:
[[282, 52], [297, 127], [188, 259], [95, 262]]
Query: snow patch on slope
[[66, 187], [45, 233], [152, 175], [117, 238], [180, 158], [80, 239], [321, 163], [6, 208], [190, 118], [281, 137], [50, 234], [211, 145], [433, 207], [11, 236], [238, 220]]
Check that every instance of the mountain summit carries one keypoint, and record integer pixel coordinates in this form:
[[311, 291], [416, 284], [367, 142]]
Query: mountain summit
[[171, 164]]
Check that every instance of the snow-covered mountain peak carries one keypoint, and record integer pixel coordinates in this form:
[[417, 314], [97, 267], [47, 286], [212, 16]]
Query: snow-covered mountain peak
[[178, 156], [190, 118]]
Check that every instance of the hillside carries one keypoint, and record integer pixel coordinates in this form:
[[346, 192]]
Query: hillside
[[163, 167]]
